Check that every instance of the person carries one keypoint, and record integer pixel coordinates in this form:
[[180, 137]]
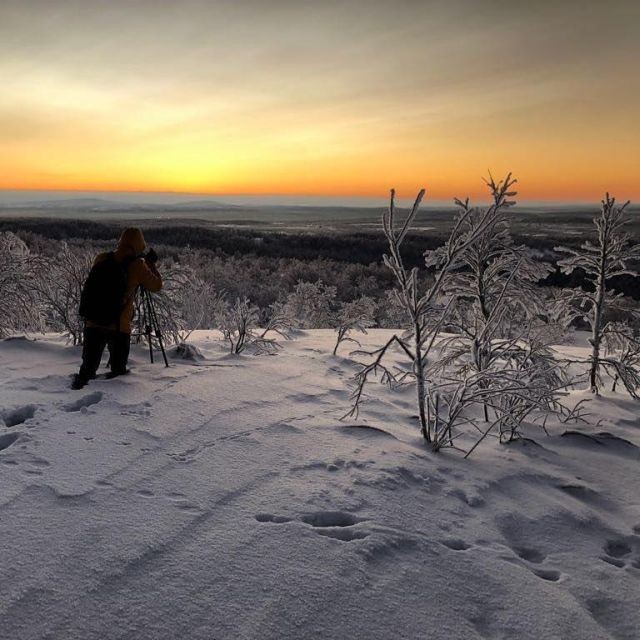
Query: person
[[122, 272]]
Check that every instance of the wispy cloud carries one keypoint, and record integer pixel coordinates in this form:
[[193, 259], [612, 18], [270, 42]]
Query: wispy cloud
[[345, 97]]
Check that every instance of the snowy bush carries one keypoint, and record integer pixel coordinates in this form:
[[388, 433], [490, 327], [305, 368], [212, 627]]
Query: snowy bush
[[481, 281], [390, 313], [610, 256], [277, 319], [622, 357], [423, 303], [19, 274], [59, 290], [357, 315], [497, 314], [312, 305], [239, 325], [185, 303], [188, 352]]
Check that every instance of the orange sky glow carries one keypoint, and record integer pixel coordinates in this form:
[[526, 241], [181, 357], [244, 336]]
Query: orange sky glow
[[334, 98]]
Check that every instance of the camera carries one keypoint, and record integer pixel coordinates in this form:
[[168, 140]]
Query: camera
[[151, 256]]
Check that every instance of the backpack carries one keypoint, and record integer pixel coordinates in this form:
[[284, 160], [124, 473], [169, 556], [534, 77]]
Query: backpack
[[103, 294]]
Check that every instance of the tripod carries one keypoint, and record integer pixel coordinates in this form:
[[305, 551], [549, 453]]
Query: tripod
[[151, 324]]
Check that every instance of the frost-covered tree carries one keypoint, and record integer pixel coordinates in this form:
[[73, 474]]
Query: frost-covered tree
[[239, 325], [312, 304], [59, 289], [197, 304], [422, 301], [390, 313], [610, 256], [19, 274], [355, 316], [525, 383], [494, 293], [621, 359], [186, 302], [277, 319]]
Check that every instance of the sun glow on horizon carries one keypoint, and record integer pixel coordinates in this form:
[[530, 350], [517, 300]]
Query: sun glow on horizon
[[344, 101]]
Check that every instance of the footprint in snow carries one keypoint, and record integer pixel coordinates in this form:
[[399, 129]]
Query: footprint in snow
[[617, 548], [7, 440], [455, 544], [552, 575], [14, 417], [269, 517], [330, 519], [616, 552], [83, 403], [339, 525], [544, 573], [530, 555], [616, 562], [580, 492]]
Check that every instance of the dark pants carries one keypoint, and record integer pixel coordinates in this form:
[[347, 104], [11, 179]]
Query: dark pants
[[95, 340]]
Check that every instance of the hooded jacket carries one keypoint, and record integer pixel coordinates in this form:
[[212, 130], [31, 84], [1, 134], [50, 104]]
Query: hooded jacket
[[139, 272]]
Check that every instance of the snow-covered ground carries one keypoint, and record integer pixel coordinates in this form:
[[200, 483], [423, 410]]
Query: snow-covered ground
[[223, 498]]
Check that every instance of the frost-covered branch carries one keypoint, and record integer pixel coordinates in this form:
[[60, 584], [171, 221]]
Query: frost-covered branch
[[59, 289], [239, 325], [19, 274], [611, 255], [423, 303], [357, 315]]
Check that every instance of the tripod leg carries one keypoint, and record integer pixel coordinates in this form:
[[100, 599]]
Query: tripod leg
[[158, 333], [148, 322], [153, 322], [148, 334], [164, 353]]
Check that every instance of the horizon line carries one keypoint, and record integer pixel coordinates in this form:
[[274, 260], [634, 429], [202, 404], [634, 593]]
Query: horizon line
[[79, 192]]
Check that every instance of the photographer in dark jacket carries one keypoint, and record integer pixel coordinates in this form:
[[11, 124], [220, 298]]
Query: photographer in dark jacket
[[137, 270]]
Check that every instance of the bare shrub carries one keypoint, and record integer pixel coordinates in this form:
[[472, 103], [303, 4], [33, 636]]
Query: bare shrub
[[425, 308], [498, 369], [19, 273], [609, 257], [498, 316], [186, 303], [390, 313], [355, 316], [59, 289], [312, 305], [622, 357], [278, 319], [239, 325]]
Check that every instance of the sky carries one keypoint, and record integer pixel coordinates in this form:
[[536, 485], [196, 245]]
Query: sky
[[326, 98]]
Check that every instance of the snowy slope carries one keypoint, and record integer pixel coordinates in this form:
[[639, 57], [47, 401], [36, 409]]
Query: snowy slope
[[224, 499]]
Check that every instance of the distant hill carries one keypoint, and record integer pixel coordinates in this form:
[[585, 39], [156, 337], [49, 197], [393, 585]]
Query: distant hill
[[101, 204]]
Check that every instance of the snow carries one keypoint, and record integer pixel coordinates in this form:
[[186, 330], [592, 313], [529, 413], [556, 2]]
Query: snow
[[223, 498]]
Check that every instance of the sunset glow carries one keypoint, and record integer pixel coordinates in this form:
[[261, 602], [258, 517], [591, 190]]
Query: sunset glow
[[332, 98]]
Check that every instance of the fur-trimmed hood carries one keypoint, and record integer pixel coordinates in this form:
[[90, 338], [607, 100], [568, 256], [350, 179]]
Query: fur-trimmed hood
[[131, 243]]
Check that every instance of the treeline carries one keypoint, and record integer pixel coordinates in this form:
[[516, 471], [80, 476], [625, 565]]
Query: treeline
[[349, 247], [263, 263]]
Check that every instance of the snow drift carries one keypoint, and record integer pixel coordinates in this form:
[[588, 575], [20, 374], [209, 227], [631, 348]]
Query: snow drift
[[224, 498]]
